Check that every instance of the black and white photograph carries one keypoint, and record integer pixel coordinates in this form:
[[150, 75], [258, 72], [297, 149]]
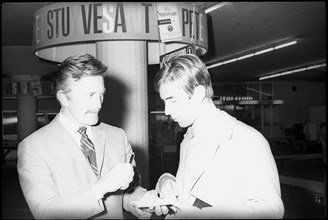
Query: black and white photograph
[[163, 110]]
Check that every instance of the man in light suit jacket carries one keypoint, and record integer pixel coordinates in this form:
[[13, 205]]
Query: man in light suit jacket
[[57, 179], [226, 168]]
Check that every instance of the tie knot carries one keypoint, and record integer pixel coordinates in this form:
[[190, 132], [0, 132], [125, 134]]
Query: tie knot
[[82, 130]]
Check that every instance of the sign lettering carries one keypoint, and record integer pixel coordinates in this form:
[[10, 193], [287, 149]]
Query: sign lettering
[[73, 22]]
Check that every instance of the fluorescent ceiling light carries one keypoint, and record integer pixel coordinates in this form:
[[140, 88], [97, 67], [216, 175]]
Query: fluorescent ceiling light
[[229, 61], [285, 73], [285, 45], [217, 6], [264, 51], [245, 56], [293, 71], [315, 66], [255, 53], [299, 70], [214, 65]]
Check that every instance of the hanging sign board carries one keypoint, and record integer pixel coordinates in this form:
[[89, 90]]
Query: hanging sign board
[[36, 88], [16, 88], [168, 22], [189, 49], [75, 26]]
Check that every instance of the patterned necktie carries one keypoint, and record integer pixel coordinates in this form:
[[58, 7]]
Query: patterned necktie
[[88, 149]]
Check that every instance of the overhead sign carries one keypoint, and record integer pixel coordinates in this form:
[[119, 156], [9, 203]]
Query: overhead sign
[[35, 88], [189, 49], [77, 23], [168, 22]]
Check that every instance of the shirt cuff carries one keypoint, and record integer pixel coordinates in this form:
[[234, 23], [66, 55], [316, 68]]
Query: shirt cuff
[[162, 178]]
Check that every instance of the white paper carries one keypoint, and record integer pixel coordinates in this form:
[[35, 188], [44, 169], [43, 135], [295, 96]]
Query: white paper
[[158, 202]]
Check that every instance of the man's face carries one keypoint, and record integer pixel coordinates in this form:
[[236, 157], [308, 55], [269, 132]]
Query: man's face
[[178, 105], [85, 99]]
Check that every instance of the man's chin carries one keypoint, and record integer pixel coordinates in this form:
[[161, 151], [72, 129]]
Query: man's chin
[[92, 121], [182, 125]]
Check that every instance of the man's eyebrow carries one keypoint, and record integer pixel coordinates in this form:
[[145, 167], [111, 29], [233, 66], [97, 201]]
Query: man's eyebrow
[[168, 98]]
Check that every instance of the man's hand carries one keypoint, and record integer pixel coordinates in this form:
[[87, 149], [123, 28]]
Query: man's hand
[[185, 211], [119, 177], [145, 213], [166, 190]]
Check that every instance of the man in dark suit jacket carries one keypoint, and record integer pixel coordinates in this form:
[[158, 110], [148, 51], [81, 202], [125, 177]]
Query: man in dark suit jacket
[[56, 177]]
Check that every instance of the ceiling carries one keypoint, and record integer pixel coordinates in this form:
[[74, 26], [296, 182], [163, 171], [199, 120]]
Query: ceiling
[[233, 29]]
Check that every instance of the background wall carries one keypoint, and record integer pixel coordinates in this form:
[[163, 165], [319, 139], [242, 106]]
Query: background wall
[[299, 98]]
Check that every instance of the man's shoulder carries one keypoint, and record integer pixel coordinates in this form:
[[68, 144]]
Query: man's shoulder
[[109, 128], [247, 130], [41, 138], [44, 132], [112, 132]]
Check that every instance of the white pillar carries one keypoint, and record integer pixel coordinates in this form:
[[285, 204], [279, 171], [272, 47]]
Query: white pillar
[[126, 96], [26, 107]]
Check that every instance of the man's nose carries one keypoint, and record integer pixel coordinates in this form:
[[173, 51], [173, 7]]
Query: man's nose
[[167, 109], [97, 101]]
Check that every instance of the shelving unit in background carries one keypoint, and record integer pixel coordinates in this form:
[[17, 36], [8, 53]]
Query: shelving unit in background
[[258, 98], [43, 91]]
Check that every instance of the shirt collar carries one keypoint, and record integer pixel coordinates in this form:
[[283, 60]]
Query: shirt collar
[[216, 124], [69, 124]]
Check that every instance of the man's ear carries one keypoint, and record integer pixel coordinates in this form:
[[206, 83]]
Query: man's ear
[[61, 96], [199, 93]]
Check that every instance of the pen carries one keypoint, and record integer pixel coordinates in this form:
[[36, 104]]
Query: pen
[[131, 158]]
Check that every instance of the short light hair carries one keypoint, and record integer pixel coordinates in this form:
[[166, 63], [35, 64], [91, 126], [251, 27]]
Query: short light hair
[[77, 67], [186, 72]]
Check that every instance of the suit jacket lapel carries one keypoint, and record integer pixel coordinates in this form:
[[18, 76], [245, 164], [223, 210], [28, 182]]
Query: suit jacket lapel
[[68, 144], [65, 140], [205, 158], [99, 137], [217, 137]]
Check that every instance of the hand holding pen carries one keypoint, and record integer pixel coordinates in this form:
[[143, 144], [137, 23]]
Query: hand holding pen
[[119, 177], [131, 158]]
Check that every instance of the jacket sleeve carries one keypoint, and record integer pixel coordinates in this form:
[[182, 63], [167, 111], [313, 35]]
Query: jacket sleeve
[[42, 194]]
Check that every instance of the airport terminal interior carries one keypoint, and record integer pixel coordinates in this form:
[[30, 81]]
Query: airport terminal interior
[[267, 62]]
